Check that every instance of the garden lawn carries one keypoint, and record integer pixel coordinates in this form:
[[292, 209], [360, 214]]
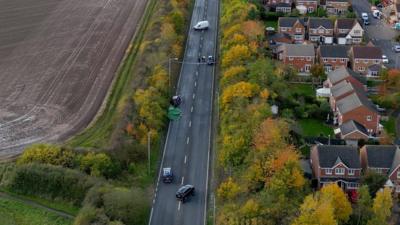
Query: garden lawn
[[16, 213], [313, 128], [302, 89], [390, 126], [271, 23]]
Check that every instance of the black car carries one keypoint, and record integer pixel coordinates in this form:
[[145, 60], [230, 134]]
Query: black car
[[176, 100], [210, 60], [366, 22], [184, 191], [167, 175]]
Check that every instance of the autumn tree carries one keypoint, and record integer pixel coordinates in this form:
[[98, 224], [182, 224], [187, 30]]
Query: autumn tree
[[233, 75], [374, 181], [236, 55], [318, 71], [316, 211], [98, 164], [382, 207], [241, 89], [47, 154], [363, 208], [253, 30], [228, 190], [338, 199]]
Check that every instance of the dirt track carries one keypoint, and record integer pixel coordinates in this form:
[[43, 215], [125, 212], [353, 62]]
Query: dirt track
[[57, 61]]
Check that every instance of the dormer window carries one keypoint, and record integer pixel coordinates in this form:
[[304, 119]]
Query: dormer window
[[339, 171], [321, 31], [352, 172], [283, 28]]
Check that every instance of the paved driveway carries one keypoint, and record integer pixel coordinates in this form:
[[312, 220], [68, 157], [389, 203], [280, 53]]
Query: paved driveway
[[380, 33]]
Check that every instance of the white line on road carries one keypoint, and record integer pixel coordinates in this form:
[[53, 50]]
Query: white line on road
[[191, 109], [183, 178], [190, 123], [197, 73], [187, 140], [194, 95], [185, 159], [195, 83], [179, 206]]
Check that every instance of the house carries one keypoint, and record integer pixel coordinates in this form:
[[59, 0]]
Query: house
[[338, 164], [293, 26], [362, 57], [358, 108], [352, 131], [284, 7], [348, 31], [337, 7], [300, 56], [320, 30], [310, 5], [342, 90], [332, 57], [373, 70], [342, 73], [382, 159]]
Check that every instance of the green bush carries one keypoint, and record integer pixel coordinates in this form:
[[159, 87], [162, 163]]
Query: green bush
[[49, 182], [98, 164], [47, 154]]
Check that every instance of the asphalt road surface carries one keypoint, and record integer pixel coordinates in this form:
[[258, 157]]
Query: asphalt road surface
[[187, 147], [57, 61], [379, 32]]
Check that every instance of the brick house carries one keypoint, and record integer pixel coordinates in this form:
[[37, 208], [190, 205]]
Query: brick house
[[283, 7], [358, 108], [320, 30], [362, 57], [332, 57], [295, 27], [348, 31], [352, 131], [338, 164], [310, 5], [342, 90], [300, 56], [337, 7], [342, 73], [382, 159]]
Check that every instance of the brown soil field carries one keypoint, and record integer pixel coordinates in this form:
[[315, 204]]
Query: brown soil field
[[57, 61]]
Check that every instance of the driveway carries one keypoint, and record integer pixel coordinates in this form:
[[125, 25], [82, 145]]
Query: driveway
[[379, 32]]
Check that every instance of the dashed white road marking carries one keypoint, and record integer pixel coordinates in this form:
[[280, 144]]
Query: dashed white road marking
[[194, 95], [195, 83], [187, 140], [191, 109], [179, 206], [183, 178], [190, 123], [185, 159]]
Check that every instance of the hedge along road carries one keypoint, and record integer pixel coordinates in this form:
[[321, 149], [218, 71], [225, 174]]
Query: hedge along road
[[57, 61]]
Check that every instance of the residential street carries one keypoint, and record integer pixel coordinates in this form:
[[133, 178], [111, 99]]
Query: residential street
[[187, 148], [379, 32]]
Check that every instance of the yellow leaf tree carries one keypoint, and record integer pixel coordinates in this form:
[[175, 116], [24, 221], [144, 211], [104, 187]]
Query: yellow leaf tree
[[316, 211], [228, 190], [342, 207], [241, 89], [382, 207], [236, 55]]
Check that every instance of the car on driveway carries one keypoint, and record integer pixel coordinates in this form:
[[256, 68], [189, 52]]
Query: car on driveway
[[385, 59], [396, 48], [364, 16], [167, 175], [184, 192], [366, 22]]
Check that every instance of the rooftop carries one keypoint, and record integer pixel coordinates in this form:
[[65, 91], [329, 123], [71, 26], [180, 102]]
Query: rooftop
[[333, 51], [330, 155], [380, 156], [299, 49], [320, 22], [367, 52]]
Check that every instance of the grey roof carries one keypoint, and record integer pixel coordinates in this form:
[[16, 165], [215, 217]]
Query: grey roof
[[345, 23], [380, 156], [283, 5], [333, 51], [299, 49], [344, 72], [367, 52], [317, 22], [354, 101], [289, 21], [351, 126], [330, 154], [342, 88], [396, 161], [374, 67]]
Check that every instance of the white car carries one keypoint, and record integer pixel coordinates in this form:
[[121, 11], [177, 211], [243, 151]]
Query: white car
[[364, 16], [202, 25], [385, 59], [396, 48]]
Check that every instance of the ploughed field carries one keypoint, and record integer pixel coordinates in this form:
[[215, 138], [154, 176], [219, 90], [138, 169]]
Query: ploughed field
[[57, 61]]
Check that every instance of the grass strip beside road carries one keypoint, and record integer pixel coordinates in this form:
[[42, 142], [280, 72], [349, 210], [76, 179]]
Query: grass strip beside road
[[13, 212], [99, 133]]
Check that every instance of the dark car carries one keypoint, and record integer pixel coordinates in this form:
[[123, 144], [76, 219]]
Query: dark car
[[167, 175], [366, 22], [184, 191], [210, 60], [176, 100]]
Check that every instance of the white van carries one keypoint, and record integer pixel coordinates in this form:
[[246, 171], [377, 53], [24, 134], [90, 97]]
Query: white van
[[202, 25]]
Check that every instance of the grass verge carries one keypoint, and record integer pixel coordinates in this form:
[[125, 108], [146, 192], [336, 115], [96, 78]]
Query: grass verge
[[313, 127], [16, 213], [99, 133]]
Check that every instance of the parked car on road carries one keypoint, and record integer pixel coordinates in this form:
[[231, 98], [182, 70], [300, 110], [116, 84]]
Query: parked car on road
[[364, 16], [202, 25], [396, 48], [210, 60], [167, 175], [184, 191], [385, 59]]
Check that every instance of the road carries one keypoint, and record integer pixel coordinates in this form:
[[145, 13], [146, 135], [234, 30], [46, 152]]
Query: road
[[57, 61], [187, 147], [379, 32]]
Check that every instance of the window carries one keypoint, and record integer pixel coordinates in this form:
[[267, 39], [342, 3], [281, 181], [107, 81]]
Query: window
[[342, 60], [351, 172], [357, 31], [328, 171], [290, 58], [308, 58], [397, 188], [369, 118], [357, 61], [378, 170], [361, 68], [352, 185], [298, 29], [377, 61], [314, 31], [365, 60], [320, 31], [307, 68], [339, 171], [333, 59], [325, 60], [283, 28]]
